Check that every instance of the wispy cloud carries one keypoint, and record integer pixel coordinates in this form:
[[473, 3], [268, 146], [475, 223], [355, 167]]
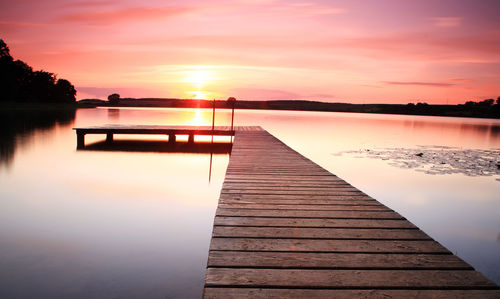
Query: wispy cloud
[[135, 14], [82, 4], [448, 22], [428, 84], [307, 8], [259, 93], [21, 24]]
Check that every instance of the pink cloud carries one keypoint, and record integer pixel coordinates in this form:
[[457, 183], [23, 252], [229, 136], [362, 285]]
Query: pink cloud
[[259, 93], [428, 84], [81, 4], [447, 22], [20, 24], [304, 8], [137, 14]]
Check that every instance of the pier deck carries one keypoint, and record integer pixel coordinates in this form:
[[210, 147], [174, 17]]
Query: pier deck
[[171, 131], [287, 228]]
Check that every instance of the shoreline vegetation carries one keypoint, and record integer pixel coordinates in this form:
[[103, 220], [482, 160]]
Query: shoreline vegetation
[[484, 109]]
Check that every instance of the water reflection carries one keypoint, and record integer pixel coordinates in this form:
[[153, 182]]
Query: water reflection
[[159, 147], [113, 114], [17, 126]]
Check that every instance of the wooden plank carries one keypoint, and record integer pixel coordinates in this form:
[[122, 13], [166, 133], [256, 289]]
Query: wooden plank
[[292, 185], [319, 233], [346, 278], [309, 214], [289, 177], [301, 260], [306, 187], [361, 246], [261, 293], [316, 192], [301, 222], [305, 207], [288, 197], [299, 202]]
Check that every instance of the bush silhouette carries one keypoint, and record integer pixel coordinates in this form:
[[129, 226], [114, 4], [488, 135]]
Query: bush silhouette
[[114, 98]]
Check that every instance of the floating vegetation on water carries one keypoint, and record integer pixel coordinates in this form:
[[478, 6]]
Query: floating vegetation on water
[[438, 160]]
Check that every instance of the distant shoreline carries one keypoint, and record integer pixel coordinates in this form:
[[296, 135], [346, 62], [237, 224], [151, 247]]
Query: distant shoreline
[[477, 111], [461, 110]]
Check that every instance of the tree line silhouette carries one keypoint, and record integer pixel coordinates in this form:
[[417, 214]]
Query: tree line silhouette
[[20, 83]]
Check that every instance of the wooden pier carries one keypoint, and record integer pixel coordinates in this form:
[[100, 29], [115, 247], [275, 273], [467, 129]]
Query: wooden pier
[[287, 228], [170, 131]]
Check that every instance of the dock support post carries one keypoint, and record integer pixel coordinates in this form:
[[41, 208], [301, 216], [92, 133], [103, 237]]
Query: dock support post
[[109, 137], [191, 139], [171, 138], [80, 140]]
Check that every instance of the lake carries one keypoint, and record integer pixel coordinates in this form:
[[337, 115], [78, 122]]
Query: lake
[[136, 222]]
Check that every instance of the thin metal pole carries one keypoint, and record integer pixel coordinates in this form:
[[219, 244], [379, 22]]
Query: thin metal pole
[[232, 118], [213, 116], [212, 142]]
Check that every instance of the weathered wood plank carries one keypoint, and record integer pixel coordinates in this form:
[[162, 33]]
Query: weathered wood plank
[[261, 293], [321, 222], [316, 192], [300, 202], [305, 207], [346, 278], [361, 246], [299, 260], [309, 214], [306, 187], [319, 233], [291, 196]]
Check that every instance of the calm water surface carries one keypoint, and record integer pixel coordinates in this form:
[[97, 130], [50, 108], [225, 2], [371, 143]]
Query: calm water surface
[[137, 224]]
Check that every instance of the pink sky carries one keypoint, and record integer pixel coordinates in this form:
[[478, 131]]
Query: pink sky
[[387, 51]]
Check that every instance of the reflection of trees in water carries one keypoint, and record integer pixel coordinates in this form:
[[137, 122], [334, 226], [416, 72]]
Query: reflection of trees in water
[[17, 126]]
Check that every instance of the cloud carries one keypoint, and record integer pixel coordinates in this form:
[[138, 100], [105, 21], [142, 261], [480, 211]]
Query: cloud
[[20, 24], [103, 92], [447, 22], [81, 4], [306, 8], [460, 80], [322, 96], [260, 93], [136, 14], [428, 84]]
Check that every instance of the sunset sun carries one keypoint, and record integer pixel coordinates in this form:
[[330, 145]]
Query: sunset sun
[[199, 77]]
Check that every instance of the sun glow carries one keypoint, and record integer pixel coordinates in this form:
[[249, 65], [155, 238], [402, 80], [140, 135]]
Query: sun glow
[[199, 77], [198, 119], [198, 94]]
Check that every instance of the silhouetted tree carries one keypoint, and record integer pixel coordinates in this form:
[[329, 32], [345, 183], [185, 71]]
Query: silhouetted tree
[[64, 91], [18, 82], [498, 101], [488, 102], [4, 49], [114, 98]]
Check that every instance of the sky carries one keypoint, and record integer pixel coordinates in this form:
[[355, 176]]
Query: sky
[[357, 51]]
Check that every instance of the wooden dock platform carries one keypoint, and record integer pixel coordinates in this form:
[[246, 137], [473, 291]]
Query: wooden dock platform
[[170, 131], [287, 228]]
